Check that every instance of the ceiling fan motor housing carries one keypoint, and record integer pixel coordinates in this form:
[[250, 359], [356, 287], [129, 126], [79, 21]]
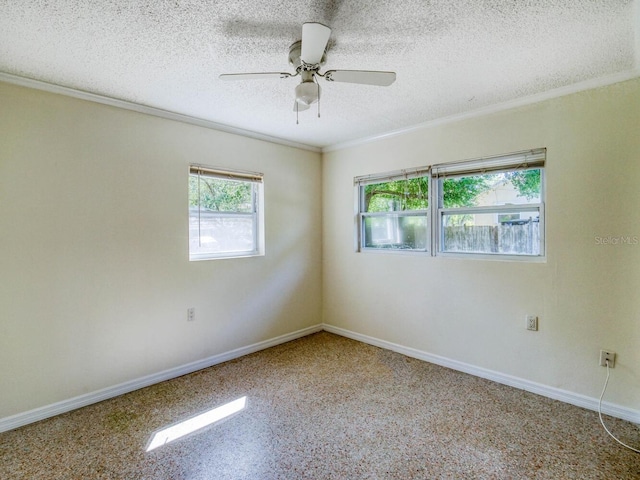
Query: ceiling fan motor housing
[[295, 51], [307, 57]]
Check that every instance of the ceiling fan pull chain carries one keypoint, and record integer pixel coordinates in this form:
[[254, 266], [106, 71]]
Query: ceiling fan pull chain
[[297, 123], [318, 99]]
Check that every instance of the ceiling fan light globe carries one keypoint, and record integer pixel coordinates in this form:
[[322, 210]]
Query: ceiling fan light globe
[[307, 93]]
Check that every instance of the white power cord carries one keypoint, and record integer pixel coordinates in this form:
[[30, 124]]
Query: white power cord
[[600, 414]]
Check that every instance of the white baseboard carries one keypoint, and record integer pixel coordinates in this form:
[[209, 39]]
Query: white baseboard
[[577, 399], [31, 416], [20, 419]]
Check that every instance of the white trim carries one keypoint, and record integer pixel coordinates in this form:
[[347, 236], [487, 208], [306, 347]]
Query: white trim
[[47, 411], [21, 419], [636, 11], [565, 396], [500, 107], [156, 112], [493, 257]]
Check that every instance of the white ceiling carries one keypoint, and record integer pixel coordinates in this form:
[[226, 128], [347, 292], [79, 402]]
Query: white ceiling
[[451, 57]]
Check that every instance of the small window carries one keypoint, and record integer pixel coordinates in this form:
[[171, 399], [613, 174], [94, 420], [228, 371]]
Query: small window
[[393, 211], [224, 213], [492, 206]]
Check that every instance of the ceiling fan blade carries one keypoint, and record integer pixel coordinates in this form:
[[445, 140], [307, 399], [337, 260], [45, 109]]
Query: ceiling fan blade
[[314, 40], [365, 77], [254, 76], [301, 106]]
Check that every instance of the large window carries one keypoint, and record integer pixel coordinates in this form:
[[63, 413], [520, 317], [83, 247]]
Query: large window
[[393, 211], [490, 207], [225, 210]]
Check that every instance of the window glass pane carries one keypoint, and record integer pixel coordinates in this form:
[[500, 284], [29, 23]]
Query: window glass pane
[[395, 232], [484, 207], [507, 188], [221, 195], [216, 233], [397, 195], [509, 233], [223, 220]]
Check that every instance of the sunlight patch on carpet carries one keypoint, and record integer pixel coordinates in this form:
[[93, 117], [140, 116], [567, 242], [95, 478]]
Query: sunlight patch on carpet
[[179, 430]]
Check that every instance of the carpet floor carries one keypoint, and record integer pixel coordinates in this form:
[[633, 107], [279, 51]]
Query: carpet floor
[[325, 407]]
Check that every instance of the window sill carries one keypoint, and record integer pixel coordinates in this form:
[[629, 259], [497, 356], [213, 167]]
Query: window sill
[[225, 256], [495, 257]]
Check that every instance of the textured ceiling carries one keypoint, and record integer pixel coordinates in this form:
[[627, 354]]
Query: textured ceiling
[[450, 56]]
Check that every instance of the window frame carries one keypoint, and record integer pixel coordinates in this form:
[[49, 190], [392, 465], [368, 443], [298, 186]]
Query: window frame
[[517, 161], [405, 174], [256, 180]]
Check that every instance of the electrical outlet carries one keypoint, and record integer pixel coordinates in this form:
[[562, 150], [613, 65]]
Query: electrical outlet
[[532, 322], [607, 355], [191, 314]]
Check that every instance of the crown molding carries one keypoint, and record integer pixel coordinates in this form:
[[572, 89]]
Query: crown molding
[[488, 110], [499, 107], [156, 112]]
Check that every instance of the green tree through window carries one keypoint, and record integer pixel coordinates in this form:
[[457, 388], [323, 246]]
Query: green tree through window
[[411, 194], [220, 195]]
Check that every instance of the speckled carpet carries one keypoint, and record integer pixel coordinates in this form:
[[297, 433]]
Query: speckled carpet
[[325, 407]]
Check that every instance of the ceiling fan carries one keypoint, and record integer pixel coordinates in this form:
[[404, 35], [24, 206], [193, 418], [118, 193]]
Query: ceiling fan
[[307, 56]]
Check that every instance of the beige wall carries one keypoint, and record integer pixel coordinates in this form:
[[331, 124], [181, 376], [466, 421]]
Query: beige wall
[[95, 280], [586, 295]]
